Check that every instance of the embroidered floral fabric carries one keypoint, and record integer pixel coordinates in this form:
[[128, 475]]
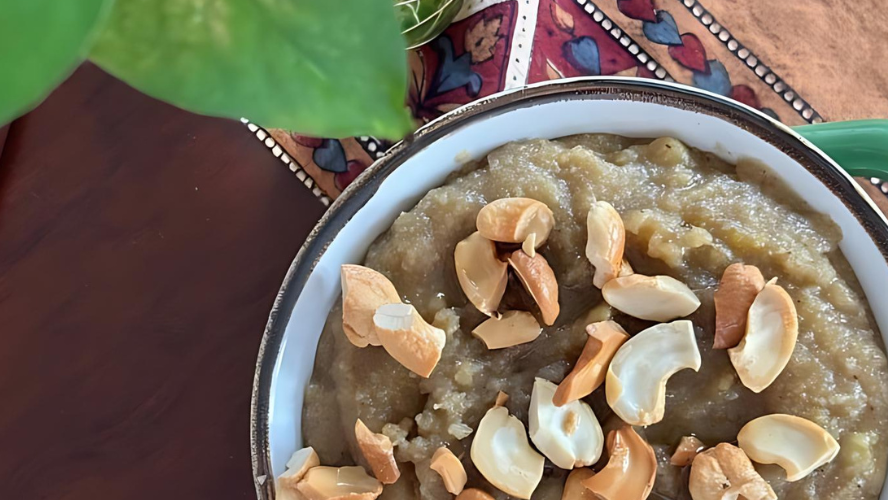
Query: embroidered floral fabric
[[495, 45]]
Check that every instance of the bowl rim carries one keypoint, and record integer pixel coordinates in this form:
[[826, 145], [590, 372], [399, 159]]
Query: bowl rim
[[365, 186]]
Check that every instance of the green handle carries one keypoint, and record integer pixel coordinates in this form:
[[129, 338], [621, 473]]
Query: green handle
[[860, 147]]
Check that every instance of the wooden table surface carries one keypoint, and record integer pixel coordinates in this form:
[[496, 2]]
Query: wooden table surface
[[140, 250]]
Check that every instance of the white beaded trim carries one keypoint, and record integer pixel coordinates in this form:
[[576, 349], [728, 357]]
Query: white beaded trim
[[763, 72], [625, 40], [294, 167]]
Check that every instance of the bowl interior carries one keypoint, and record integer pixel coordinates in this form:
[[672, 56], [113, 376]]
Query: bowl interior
[[639, 114]]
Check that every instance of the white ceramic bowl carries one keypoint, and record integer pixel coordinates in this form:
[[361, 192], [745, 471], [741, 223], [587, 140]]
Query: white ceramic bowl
[[624, 106]]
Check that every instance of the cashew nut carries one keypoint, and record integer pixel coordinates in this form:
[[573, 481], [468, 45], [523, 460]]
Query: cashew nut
[[570, 436], [798, 445], [451, 470], [539, 281], [630, 471], [300, 463], [363, 291], [342, 483], [482, 276], [379, 453], [588, 374], [502, 455], [772, 328], [407, 337], [725, 473], [736, 291], [516, 220], [513, 328], [606, 242], [636, 378], [654, 298]]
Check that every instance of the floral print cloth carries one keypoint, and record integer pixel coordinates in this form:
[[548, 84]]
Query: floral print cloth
[[495, 45]]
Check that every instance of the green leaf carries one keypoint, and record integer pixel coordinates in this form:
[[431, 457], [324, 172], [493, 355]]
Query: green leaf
[[319, 67], [41, 42]]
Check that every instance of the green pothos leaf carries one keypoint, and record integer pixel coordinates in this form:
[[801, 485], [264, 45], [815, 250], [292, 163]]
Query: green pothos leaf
[[319, 67], [41, 42]]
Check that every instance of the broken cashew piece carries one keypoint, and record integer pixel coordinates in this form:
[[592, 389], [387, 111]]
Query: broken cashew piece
[[688, 448], [772, 328], [502, 455], [501, 399], [637, 376], [654, 298], [474, 494], [539, 281], [363, 291], [482, 276], [516, 220], [606, 242], [342, 483], [379, 453], [736, 291], [725, 472], [798, 445], [300, 462], [630, 471], [570, 436], [573, 487], [513, 328], [626, 269], [407, 337], [451, 470], [589, 372]]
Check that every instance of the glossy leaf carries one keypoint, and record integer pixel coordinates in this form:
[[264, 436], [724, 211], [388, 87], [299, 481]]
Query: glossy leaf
[[319, 67], [41, 42]]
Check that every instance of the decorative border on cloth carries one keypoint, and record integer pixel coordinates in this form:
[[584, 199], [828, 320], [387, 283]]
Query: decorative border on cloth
[[625, 40], [294, 167], [373, 146], [879, 183], [762, 71]]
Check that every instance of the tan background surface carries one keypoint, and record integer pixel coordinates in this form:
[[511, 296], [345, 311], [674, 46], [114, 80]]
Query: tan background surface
[[834, 52]]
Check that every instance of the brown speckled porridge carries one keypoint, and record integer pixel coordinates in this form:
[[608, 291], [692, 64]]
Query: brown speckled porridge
[[687, 215]]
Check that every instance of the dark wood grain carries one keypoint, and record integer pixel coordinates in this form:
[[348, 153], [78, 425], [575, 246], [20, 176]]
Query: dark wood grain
[[140, 250]]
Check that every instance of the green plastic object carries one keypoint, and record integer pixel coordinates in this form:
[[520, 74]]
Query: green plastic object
[[860, 147]]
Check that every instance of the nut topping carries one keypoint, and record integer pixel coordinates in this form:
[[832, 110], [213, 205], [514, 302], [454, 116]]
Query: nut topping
[[736, 291], [501, 399], [474, 494], [407, 337], [724, 472], [539, 281], [482, 276], [342, 483], [378, 451], [513, 328], [363, 291], [606, 242], [570, 436], [654, 298], [637, 376], [299, 463], [630, 471], [502, 455], [772, 328], [573, 487], [688, 448], [451, 470], [588, 374], [626, 269], [794, 443], [516, 220]]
